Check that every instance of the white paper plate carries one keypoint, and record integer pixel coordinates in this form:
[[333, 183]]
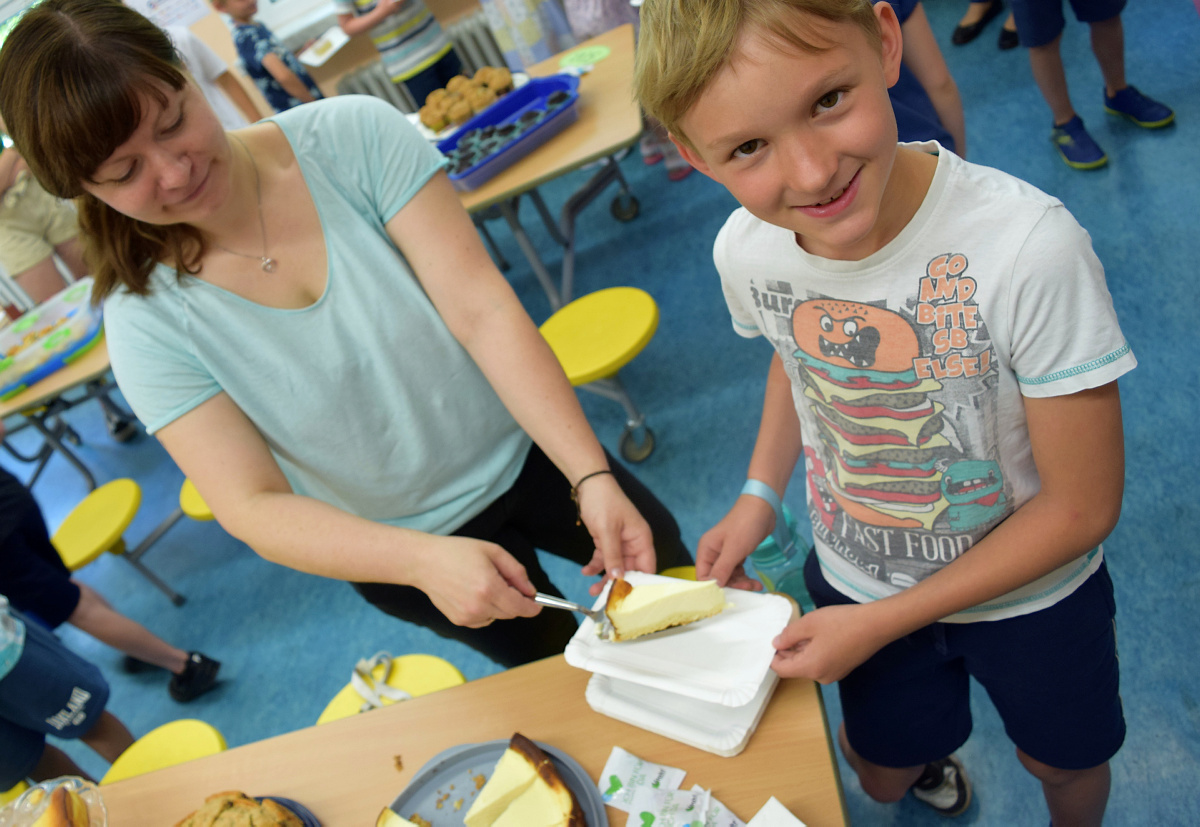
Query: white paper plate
[[722, 730], [519, 80], [722, 660], [324, 47]]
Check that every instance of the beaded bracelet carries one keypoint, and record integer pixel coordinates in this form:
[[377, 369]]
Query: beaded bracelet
[[575, 492]]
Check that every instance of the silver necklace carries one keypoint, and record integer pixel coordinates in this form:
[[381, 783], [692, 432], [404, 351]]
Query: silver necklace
[[267, 263]]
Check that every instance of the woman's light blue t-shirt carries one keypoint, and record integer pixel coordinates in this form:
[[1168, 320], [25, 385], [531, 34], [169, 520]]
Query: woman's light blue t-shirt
[[366, 400]]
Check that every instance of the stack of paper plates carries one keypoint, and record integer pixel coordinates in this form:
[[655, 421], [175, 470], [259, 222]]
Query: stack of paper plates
[[705, 684]]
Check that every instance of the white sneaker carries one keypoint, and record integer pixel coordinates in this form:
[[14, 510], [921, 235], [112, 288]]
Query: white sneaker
[[944, 786]]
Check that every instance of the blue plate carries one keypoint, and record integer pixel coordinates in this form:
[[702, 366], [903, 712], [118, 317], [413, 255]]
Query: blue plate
[[443, 790], [299, 809]]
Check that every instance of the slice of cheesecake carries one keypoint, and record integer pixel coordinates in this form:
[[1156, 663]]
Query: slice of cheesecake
[[389, 818], [639, 610], [525, 790]]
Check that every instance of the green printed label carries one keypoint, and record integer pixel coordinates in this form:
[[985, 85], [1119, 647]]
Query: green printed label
[[584, 57]]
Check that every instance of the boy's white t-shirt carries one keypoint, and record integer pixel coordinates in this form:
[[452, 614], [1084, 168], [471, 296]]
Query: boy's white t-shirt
[[908, 370]]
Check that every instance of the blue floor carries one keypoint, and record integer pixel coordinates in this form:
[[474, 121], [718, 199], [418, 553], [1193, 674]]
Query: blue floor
[[288, 640]]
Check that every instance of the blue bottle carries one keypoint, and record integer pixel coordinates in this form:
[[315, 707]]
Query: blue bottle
[[779, 560]]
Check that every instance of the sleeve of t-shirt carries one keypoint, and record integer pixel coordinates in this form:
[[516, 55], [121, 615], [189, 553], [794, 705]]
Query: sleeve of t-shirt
[[745, 321], [157, 372], [396, 159], [1064, 330]]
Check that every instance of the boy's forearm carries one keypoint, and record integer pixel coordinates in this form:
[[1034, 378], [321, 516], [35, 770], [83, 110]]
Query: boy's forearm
[[287, 79], [779, 444]]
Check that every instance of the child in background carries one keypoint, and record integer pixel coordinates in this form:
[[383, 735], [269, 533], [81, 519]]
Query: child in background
[[925, 97], [415, 51], [946, 357], [281, 78], [590, 18], [46, 689], [1040, 26], [225, 94]]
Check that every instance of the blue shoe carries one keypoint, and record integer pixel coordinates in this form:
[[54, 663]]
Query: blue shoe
[[1132, 104], [1076, 146]]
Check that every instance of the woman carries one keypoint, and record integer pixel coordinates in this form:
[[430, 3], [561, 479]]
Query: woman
[[305, 316]]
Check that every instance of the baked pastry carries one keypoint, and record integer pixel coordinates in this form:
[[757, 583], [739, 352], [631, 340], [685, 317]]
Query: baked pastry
[[434, 117], [639, 610], [236, 809], [457, 82], [459, 112], [481, 98], [389, 818], [65, 808], [525, 790], [435, 96], [500, 80]]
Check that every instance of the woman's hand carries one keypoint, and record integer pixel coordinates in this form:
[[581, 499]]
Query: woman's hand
[[474, 582], [826, 644], [724, 547], [621, 534]]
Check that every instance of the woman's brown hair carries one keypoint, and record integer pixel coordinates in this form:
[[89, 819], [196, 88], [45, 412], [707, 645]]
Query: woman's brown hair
[[73, 75]]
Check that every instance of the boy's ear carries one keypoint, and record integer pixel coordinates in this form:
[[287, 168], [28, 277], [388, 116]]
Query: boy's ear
[[690, 155], [891, 42]]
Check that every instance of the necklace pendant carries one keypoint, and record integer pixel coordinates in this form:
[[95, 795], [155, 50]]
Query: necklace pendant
[[268, 264]]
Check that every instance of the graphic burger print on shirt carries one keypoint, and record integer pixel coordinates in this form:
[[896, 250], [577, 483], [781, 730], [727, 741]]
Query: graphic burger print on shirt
[[900, 479]]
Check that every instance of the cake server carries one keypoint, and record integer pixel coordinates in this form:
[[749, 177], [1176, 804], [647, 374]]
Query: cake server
[[560, 603]]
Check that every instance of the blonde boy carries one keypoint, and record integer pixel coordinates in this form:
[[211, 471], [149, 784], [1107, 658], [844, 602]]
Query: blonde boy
[[946, 357]]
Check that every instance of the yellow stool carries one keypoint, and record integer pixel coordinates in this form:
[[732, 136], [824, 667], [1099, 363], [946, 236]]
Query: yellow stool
[[166, 746], [594, 337], [680, 572], [415, 674], [14, 793], [192, 504], [98, 525]]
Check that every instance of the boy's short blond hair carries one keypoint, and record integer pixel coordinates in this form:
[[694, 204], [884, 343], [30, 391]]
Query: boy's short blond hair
[[683, 44]]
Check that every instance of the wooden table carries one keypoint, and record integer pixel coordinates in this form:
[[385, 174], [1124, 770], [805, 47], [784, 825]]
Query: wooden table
[[609, 120], [346, 771], [43, 403]]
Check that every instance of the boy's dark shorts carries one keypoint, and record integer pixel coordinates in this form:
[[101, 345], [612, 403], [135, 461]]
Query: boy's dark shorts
[[51, 691], [32, 575], [1052, 675], [1040, 21]]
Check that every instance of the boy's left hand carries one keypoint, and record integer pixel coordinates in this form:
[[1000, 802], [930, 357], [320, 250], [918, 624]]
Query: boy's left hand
[[826, 644], [621, 534]]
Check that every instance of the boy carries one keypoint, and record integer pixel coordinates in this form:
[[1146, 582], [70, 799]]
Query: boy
[[277, 72], [415, 51], [46, 689], [934, 367]]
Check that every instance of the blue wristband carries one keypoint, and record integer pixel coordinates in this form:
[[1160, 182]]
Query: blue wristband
[[758, 488]]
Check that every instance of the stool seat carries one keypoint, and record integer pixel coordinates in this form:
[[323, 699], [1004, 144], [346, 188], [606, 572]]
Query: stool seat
[[596, 335], [96, 524], [680, 572], [170, 744], [192, 503], [415, 674]]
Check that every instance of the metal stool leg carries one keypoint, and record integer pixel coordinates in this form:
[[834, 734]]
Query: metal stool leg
[[631, 448], [134, 556]]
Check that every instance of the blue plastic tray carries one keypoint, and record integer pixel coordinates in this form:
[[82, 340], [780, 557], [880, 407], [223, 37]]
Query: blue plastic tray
[[79, 329], [508, 110]]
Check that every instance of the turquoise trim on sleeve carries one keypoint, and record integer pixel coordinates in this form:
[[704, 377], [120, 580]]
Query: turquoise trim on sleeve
[[1086, 367]]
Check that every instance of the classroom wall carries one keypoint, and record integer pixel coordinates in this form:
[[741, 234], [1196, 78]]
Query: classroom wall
[[358, 52]]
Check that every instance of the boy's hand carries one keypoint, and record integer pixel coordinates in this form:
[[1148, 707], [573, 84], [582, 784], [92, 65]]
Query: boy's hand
[[621, 534], [725, 546], [826, 644]]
